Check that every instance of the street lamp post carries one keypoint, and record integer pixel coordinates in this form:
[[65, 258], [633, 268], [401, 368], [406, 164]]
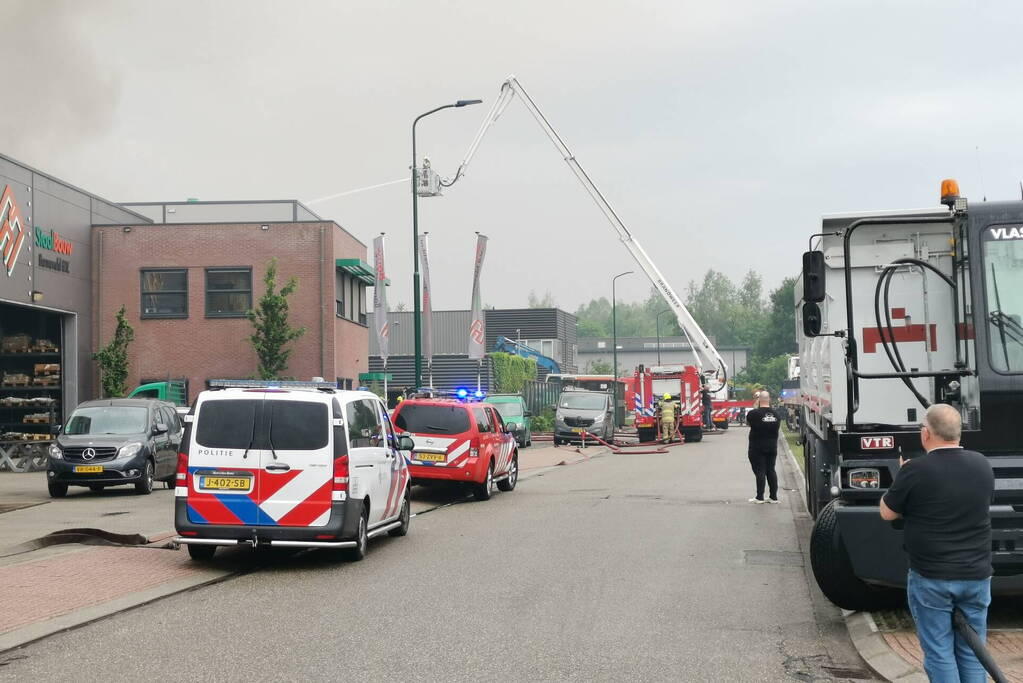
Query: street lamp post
[[614, 328], [658, 325], [417, 314]]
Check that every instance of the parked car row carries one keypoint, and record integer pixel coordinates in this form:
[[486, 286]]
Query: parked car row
[[288, 464]]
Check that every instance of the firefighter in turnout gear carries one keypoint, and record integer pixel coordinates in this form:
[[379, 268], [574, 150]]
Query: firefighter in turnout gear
[[666, 409]]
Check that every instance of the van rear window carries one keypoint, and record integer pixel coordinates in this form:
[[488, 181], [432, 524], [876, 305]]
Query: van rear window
[[425, 419], [297, 425], [291, 425], [226, 424]]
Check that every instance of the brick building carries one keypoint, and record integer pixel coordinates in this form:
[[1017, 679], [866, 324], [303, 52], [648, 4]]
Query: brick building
[[186, 284]]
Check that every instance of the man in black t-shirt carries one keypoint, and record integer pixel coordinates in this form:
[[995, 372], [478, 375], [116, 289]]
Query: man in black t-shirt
[[945, 498], [763, 446]]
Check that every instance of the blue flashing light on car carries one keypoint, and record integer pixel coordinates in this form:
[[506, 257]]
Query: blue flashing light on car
[[462, 394]]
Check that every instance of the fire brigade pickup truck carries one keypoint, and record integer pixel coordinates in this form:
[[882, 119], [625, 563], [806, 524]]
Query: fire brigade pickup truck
[[459, 441], [899, 310]]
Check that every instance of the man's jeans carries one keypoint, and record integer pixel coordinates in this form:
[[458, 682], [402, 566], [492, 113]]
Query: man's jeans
[[947, 657]]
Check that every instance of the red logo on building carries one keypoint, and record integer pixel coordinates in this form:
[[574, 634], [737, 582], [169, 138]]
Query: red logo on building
[[877, 443], [12, 230]]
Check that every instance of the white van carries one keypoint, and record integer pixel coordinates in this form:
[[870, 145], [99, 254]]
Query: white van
[[289, 464]]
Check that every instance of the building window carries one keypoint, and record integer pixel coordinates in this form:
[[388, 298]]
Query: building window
[[228, 292], [165, 293], [351, 301]]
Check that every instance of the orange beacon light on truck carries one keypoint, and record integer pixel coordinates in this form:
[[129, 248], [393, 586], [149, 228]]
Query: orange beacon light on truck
[[949, 191]]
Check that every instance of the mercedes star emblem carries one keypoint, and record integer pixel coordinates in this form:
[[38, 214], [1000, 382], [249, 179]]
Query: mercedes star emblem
[[88, 454]]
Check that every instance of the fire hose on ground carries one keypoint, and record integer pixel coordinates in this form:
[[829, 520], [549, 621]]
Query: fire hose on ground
[[965, 629], [617, 447]]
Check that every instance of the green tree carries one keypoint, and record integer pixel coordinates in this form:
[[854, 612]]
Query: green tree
[[767, 373], [599, 367], [113, 359], [779, 335], [545, 301], [270, 320]]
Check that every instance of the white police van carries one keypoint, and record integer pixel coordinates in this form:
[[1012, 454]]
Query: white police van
[[289, 464]]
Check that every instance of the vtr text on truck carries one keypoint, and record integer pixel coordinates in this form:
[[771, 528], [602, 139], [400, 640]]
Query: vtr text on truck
[[898, 310]]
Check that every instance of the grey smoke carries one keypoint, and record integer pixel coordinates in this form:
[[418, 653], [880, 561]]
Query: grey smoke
[[57, 92]]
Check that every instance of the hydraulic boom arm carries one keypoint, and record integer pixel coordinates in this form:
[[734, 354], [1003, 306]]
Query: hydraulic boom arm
[[698, 339]]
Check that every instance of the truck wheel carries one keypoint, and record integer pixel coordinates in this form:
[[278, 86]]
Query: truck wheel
[[693, 435], [513, 476], [56, 490], [646, 434], [721, 425], [834, 572], [483, 491], [201, 553]]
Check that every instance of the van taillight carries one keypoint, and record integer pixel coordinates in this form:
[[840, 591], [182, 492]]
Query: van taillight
[[182, 468], [341, 473]]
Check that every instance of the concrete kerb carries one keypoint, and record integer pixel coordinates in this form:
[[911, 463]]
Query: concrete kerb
[[801, 483], [876, 652]]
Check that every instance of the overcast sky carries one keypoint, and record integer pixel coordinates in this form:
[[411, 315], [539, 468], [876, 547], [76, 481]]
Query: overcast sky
[[719, 131]]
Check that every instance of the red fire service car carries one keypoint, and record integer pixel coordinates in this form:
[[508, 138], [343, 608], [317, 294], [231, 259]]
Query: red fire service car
[[459, 440]]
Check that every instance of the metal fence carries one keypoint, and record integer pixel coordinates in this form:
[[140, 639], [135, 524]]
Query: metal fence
[[540, 395]]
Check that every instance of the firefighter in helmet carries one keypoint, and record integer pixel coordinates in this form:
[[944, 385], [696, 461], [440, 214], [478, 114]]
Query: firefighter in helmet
[[666, 409]]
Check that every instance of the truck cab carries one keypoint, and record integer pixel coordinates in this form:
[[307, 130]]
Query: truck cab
[[897, 310]]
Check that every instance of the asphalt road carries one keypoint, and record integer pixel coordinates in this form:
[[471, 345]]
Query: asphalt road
[[618, 568]]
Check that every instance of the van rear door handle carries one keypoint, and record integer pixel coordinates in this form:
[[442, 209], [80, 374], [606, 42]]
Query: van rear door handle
[[277, 467]]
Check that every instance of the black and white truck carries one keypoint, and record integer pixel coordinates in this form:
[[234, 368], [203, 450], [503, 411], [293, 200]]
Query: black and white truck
[[897, 310]]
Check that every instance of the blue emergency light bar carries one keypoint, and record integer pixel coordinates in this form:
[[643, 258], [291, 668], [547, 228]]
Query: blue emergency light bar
[[463, 394]]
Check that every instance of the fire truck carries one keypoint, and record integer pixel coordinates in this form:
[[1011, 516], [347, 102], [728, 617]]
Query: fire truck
[[648, 387], [898, 310]]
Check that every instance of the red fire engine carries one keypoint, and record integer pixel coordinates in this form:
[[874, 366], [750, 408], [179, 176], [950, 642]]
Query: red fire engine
[[649, 385]]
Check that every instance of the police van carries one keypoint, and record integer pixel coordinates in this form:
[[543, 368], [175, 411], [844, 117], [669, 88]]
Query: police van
[[289, 464]]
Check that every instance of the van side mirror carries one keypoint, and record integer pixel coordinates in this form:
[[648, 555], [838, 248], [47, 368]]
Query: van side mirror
[[160, 428], [812, 320], [527, 414], [405, 442], [813, 276]]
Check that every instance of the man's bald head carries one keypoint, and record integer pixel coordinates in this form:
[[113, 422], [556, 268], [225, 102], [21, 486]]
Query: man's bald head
[[944, 423], [764, 399]]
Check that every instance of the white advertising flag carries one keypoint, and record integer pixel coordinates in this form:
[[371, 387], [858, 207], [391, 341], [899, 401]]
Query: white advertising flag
[[380, 317], [477, 327]]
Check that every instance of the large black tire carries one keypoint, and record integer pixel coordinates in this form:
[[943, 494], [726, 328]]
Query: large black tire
[[646, 434], [56, 490], [405, 516], [834, 572], [144, 486], [693, 435], [513, 475], [202, 553], [357, 553], [721, 425], [485, 490]]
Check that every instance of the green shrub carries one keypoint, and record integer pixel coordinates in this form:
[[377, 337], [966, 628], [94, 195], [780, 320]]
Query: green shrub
[[511, 372]]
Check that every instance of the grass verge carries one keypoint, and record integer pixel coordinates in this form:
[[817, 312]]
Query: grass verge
[[793, 440]]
